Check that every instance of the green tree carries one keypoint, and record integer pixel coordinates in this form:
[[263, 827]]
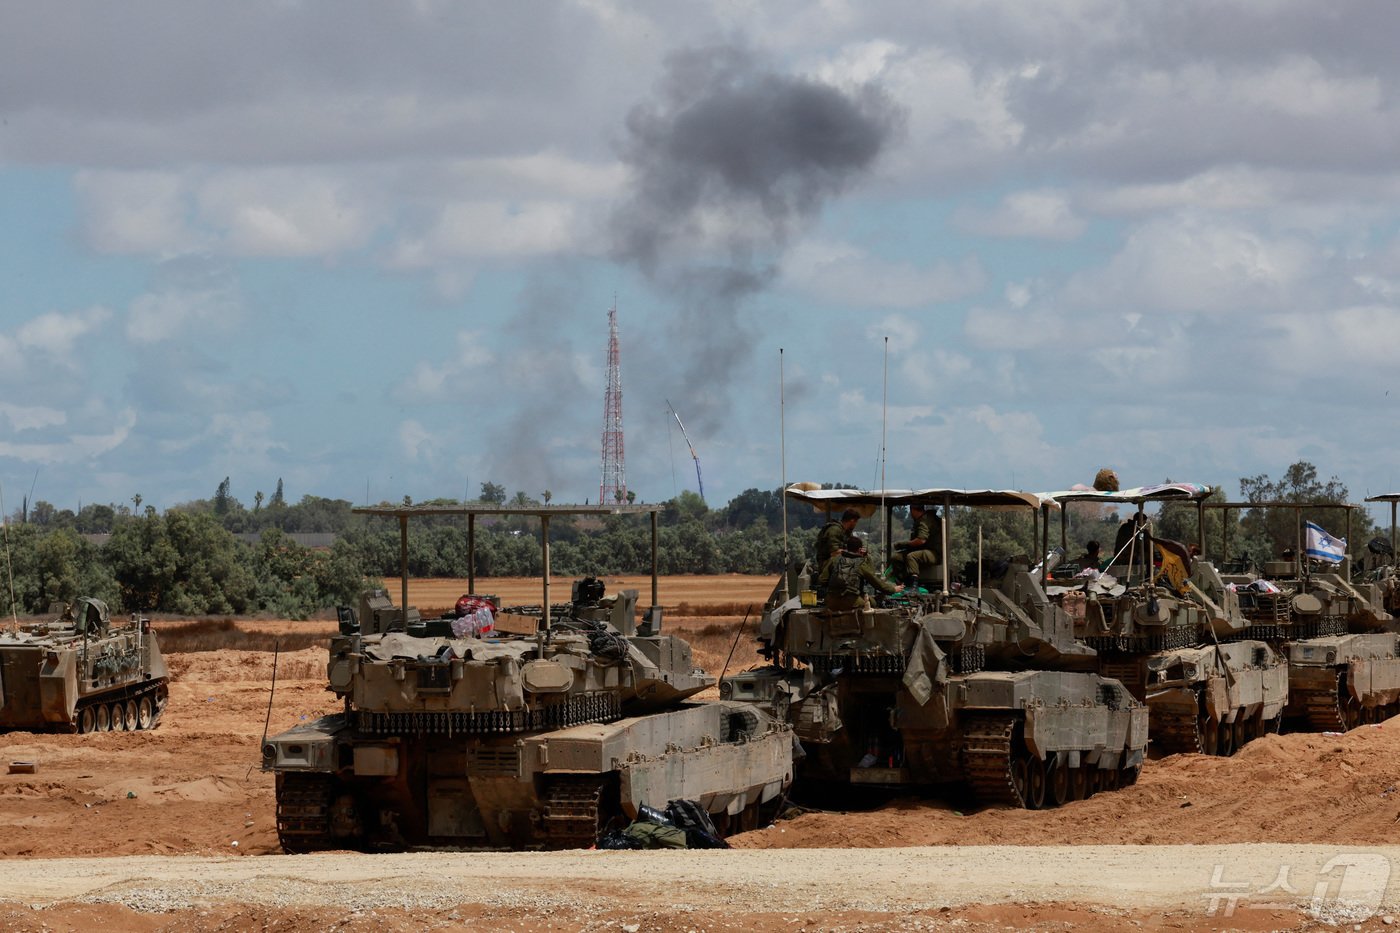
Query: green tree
[[1273, 530], [222, 498], [143, 562], [493, 493]]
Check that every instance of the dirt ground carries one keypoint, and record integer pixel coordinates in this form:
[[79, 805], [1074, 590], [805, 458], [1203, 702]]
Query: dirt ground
[[154, 831]]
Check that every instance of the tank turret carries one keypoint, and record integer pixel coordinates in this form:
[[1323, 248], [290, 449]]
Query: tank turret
[[82, 672], [521, 726]]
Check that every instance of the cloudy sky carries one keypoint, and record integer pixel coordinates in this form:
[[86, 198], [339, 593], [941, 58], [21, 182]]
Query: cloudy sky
[[369, 248]]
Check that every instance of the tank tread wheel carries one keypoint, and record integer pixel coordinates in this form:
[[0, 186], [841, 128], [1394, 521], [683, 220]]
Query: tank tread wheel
[[572, 810], [303, 811], [988, 759], [1176, 733], [145, 714], [1324, 707]]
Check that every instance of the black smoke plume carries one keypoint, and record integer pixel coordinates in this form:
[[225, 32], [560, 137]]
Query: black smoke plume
[[730, 159]]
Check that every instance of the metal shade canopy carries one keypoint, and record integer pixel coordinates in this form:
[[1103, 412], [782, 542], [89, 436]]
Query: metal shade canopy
[[543, 512], [867, 500], [1162, 492]]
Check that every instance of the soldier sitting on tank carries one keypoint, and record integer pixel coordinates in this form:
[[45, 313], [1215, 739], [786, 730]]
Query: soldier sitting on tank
[[833, 536], [844, 577], [918, 553], [1090, 559]]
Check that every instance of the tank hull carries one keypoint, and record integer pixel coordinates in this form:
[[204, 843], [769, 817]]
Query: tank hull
[[1005, 736], [1338, 682], [1213, 700], [339, 787]]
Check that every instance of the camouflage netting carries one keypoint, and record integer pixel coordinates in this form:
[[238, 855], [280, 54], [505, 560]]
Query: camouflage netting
[[1106, 480]]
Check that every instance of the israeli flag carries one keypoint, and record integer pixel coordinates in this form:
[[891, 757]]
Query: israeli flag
[[1322, 546]]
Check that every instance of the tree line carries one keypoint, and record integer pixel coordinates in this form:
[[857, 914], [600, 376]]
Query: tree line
[[189, 561]]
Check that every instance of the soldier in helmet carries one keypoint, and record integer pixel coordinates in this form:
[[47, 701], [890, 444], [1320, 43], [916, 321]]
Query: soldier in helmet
[[833, 536], [845, 574], [918, 552]]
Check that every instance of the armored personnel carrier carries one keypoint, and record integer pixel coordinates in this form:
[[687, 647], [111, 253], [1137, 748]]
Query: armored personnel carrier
[[1167, 627], [974, 680], [1342, 646], [547, 738], [82, 673]]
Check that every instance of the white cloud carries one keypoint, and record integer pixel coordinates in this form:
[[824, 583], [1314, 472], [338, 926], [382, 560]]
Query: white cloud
[[1019, 328], [135, 212], [55, 333], [1344, 343], [74, 449], [25, 417], [1197, 263], [959, 116], [1223, 188], [1043, 214], [495, 229], [539, 175], [900, 329], [417, 442], [450, 379], [164, 315], [844, 274], [302, 212]]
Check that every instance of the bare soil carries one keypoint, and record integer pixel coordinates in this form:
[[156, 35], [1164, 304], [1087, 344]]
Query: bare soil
[[153, 831]]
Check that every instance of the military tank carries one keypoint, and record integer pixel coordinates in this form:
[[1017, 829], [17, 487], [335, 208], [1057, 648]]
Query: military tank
[[1342, 646], [456, 737], [975, 680], [82, 672], [1166, 626]]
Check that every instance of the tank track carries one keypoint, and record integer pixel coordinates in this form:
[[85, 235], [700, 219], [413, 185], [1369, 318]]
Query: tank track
[[988, 759], [156, 691], [572, 811], [303, 811], [1176, 732], [1323, 708]]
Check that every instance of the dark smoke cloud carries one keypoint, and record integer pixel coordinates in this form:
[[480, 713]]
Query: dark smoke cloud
[[729, 160]]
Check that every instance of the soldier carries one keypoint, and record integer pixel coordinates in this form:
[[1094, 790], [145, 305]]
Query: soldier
[[833, 535], [845, 574], [1090, 557], [919, 550]]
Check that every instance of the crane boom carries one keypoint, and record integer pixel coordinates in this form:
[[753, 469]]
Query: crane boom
[[693, 455]]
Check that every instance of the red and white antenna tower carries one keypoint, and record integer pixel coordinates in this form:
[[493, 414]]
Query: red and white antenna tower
[[613, 488]]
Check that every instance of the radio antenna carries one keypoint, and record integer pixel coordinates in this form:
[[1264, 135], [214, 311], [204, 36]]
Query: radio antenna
[[9, 565], [884, 418], [782, 456]]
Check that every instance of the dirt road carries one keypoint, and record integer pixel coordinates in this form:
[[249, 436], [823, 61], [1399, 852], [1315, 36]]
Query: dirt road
[[1189, 887]]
